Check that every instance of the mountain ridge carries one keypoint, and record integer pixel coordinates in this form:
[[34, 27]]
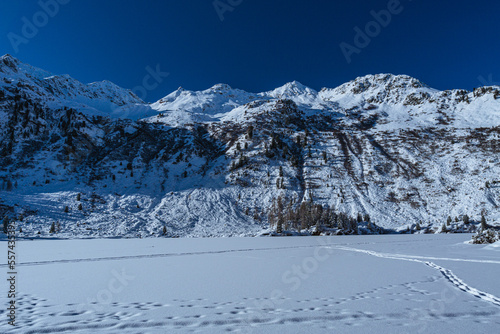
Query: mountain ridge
[[213, 162]]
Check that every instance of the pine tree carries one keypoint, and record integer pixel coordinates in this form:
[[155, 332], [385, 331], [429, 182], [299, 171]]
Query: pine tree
[[256, 215], [66, 209], [418, 227], [271, 215], [484, 225], [52, 228], [448, 221], [466, 219], [279, 227], [5, 224], [80, 207], [164, 230], [78, 197], [353, 225], [250, 132], [279, 223]]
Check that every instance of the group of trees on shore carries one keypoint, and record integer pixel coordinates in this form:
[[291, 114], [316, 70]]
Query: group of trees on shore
[[465, 220], [286, 215]]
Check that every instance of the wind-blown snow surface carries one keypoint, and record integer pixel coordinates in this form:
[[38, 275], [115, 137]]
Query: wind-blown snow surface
[[364, 284]]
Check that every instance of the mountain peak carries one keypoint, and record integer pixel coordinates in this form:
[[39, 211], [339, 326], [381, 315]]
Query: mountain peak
[[220, 87], [295, 83], [9, 61], [292, 89], [375, 83], [401, 80], [9, 57]]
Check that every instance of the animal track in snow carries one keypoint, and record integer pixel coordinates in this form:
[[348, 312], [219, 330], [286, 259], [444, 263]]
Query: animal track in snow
[[448, 274]]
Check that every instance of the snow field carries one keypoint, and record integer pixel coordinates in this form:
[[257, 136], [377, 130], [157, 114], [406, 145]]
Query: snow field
[[376, 284]]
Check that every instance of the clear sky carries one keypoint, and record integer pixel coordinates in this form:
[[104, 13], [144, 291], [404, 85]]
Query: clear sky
[[255, 45]]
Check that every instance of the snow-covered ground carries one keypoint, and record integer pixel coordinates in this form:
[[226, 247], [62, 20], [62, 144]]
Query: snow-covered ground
[[355, 284]]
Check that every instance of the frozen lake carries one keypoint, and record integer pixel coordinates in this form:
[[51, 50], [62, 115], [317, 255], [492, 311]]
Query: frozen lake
[[351, 284]]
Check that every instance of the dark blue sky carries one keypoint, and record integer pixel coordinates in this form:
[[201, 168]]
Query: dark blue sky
[[260, 44]]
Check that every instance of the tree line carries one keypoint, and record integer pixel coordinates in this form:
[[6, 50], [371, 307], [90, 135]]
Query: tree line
[[284, 214]]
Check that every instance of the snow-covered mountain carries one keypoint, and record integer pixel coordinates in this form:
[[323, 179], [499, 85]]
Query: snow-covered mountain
[[55, 91], [99, 161], [184, 106]]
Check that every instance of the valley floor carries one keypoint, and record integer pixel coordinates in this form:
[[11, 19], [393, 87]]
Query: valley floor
[[352, 284]]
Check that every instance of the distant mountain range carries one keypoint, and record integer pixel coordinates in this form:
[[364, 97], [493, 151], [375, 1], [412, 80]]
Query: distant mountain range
[[96, 160]]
